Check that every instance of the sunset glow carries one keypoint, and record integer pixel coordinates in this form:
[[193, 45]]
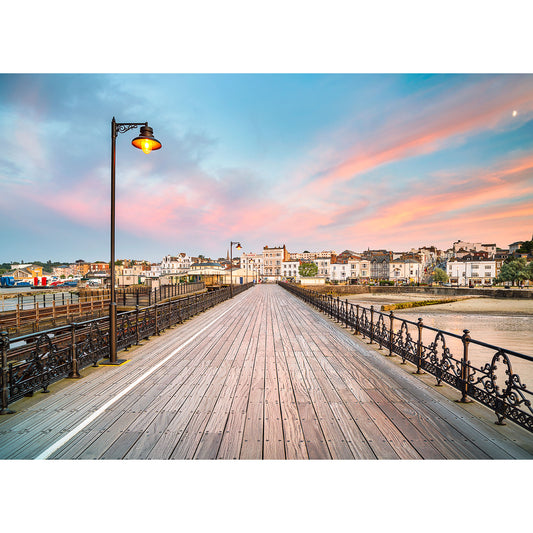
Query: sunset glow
[[311, 161]]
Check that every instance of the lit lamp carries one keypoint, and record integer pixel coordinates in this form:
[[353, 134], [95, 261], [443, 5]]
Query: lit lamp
[[231, 264], [145, 142]]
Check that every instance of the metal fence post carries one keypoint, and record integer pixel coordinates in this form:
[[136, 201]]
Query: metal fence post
[[391, 333], [371, 324], [74, 372], [419, 325], [137, 338], [4, 346], [156, 321], [464, 368], [357, 319]]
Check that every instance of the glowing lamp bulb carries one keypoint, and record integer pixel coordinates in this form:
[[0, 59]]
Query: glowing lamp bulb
[[146, 146]]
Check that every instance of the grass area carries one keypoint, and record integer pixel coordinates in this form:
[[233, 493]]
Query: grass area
[[420, 303]]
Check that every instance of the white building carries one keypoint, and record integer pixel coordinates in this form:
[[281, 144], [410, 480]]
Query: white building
[[290, 270], [405, 271], [252, 263], [339, 271], [471, 273], [154, 272], [323, 265], [178, 264]]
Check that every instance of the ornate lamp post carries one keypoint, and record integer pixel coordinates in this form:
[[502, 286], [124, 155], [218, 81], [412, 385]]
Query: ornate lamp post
[[145, 142], [231, 264]]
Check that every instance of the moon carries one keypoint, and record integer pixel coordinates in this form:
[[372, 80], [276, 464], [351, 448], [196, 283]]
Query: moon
[[515, 112]]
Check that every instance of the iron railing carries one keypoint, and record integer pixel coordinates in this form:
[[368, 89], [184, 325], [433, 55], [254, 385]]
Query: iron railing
[[32, 362], [482, 371]]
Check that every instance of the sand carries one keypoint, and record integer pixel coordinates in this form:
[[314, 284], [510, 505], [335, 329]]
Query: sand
[[474, 305]]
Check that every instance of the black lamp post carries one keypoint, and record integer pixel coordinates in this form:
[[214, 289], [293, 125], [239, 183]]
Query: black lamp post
[[231, 264], [145, 142]]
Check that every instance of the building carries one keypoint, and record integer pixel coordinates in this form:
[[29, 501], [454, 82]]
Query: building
[[472, 272], [210, 272], [379, 263], [26, 272], [272, 260], [290, 270], [252, 263], [405, 270], [65, 271], [176, 264], [323, 265]]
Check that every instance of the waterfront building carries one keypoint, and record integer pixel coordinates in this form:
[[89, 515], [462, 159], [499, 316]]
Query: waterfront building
[[272, 259], [64, 271], [176, 264], [210, 272], [405, 270], [290, 270], [252, 263], [472, 272], [379, 263], [323, 264], [26, 272]]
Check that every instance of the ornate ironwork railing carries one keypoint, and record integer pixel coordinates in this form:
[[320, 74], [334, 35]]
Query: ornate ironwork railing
[[478, 370], [32, 362]]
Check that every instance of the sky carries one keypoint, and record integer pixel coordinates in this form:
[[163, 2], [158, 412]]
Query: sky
[[312, 161]]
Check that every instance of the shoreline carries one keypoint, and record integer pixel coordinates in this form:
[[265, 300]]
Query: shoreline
[[471, 306]]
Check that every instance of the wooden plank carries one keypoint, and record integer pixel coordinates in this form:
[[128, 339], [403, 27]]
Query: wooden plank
[[232, 438]]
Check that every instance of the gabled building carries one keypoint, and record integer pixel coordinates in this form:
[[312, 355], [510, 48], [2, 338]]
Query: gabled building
[[405, 270], [176, 264]]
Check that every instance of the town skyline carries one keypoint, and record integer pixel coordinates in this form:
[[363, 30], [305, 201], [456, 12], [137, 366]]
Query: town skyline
[[373, 161], [236, 254]]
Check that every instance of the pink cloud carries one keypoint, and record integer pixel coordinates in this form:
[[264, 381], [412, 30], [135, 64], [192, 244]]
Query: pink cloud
[[414, 132]]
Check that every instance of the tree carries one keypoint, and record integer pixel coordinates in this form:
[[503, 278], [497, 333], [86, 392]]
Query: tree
[[440, 275], [515, 271], [308, 269], [526, 247]]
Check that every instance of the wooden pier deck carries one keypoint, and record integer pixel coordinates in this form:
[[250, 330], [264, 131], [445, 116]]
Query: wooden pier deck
[[261, 376]]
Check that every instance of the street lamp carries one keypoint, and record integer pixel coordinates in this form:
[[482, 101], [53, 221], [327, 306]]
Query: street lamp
[[145, 142], [231, 264]]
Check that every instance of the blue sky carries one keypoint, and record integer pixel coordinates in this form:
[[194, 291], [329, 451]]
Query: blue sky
[[329, 161]]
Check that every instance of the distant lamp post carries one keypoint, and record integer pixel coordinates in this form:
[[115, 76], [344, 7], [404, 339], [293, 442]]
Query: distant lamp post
[[231, 264], [145, 142]]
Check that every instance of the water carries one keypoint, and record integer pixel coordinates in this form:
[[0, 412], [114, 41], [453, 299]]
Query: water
[[26, 298]]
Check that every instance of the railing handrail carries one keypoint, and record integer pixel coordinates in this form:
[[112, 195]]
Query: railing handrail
[[47, 356], [480, 383]]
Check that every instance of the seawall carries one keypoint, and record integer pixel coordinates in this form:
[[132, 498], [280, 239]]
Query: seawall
[[341, 290]]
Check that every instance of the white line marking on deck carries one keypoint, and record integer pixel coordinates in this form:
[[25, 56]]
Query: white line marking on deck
[[54, 447]]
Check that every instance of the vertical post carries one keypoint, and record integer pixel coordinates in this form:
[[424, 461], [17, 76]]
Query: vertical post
[[112, 303], [357, 319], [464, 367], [346, 312], [74, 373], [371, 324], [391, 333], [420, 326], [137, 337], [156, 321], [18, 316], [37, 314], [4, 346]]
